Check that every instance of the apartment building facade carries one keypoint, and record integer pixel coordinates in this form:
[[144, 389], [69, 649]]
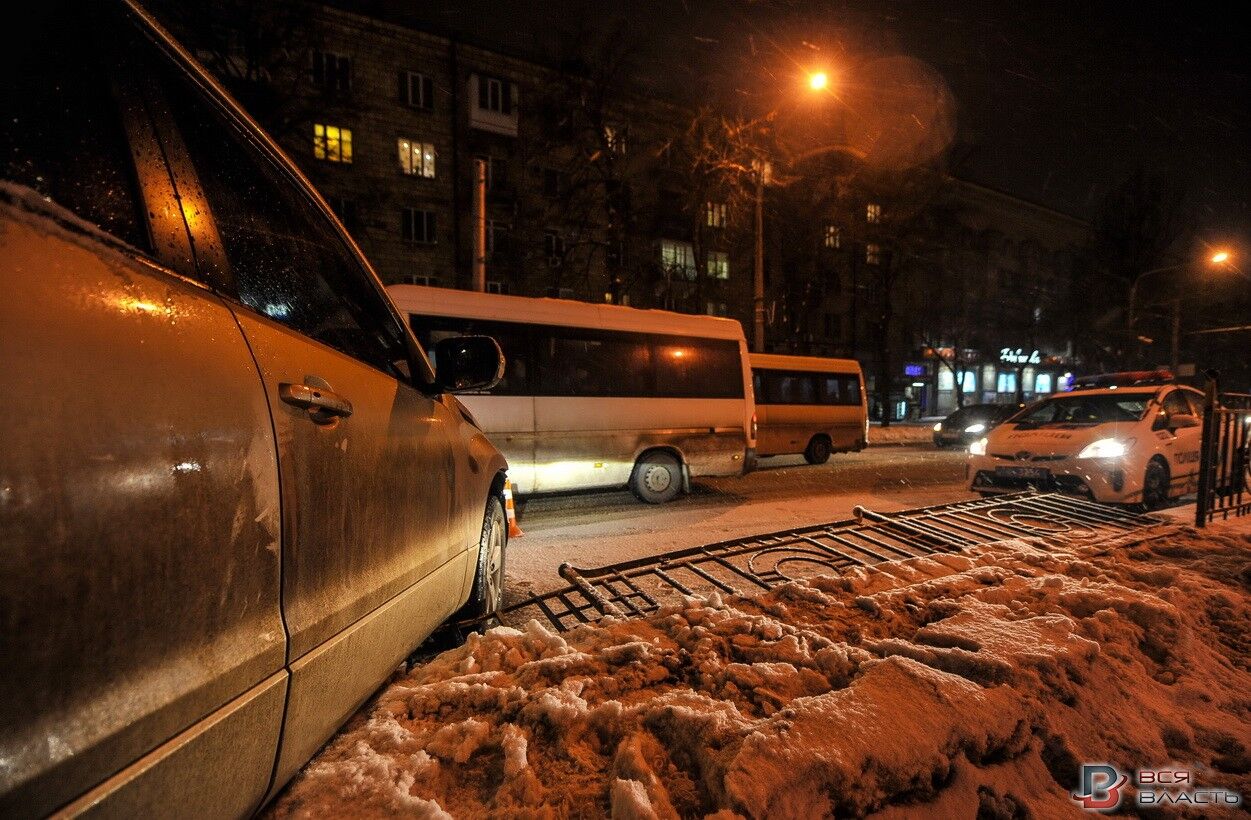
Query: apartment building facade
[[586, 200]]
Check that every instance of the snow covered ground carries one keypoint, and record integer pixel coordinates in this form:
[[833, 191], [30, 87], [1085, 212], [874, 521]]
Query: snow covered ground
[[955, 685], [900, 434]]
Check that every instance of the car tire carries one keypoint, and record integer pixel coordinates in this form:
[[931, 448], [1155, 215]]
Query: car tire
[[818, 450], [487, 596], [657, 478], [1155, 483]]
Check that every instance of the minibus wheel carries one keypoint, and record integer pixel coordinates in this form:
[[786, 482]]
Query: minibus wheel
[[657, 477], [818, 450]]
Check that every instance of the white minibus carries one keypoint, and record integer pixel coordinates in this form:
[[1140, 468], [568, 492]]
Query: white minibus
[[600, 396]]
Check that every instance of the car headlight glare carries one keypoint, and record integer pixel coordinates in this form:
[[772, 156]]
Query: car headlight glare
[[1106, 448], [978, 448], [975, 428], [938, 427]]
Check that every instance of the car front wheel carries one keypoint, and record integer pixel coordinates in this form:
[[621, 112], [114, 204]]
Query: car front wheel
[[487, 597]]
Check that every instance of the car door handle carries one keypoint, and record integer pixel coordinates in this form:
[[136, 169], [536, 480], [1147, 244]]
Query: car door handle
[[322, 405]]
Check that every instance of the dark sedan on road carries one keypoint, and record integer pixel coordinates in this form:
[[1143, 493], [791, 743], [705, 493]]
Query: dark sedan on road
[[971, 422]]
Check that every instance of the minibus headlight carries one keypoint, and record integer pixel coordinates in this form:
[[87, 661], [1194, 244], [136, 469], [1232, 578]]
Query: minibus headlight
[[978, 448], [977, 427], [938, 427]]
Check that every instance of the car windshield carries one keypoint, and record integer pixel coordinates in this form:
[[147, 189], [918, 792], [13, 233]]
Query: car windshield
[[1083, 410]]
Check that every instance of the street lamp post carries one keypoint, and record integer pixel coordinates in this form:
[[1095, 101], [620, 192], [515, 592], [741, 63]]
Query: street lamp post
[[1219, 258], [817, 81]]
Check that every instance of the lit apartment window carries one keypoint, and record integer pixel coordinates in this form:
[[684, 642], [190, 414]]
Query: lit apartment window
[[416, 158], [497, 287], [418, 90], [716, 214], [417, 226], [414, 279], [553, 248], [332, 72], [872, 212], [678, 258], [872, 254], [718, 265], [495, 95], [833, 237], [332, 143]]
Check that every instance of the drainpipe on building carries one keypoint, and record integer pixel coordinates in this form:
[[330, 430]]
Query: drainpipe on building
[[454, 70], [479, 224]]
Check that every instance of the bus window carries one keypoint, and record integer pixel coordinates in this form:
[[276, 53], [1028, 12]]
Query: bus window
[[698, 369], [588, 363]]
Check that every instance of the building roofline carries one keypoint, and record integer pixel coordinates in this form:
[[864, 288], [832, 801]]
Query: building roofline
[[1020, 200]]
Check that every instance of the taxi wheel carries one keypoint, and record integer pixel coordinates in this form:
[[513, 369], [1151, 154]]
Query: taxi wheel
[[1155, 485]]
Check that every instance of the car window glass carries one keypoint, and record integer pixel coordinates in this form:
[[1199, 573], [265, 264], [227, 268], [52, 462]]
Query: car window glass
[[1087, 409], [286, 259], [1196, 402], [61, 133], [1175, 403]]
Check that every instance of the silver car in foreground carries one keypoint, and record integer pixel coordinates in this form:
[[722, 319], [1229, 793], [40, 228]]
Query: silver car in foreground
[[234, 493]]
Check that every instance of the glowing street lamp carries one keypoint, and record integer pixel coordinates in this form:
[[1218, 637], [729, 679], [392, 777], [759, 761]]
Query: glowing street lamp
[[818, 81], [1219, 258]]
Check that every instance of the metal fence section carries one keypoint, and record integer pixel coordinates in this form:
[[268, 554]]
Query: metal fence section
[[759, 563], [1225, 455]]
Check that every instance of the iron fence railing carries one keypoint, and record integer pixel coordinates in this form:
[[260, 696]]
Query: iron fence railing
[[1224, 455], [759, 563]]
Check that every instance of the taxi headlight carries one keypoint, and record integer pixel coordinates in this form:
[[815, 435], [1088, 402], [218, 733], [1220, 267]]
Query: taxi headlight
[[1106, 448], [978, 448], [975, 428], [938, 427]]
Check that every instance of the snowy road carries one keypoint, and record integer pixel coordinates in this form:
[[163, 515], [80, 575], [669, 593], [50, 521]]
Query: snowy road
[[592, 529]]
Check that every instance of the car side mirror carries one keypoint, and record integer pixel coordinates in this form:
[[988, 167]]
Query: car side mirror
[[1182, 421], [464, 363]]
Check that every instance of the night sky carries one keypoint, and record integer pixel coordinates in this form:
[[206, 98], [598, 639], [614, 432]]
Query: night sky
[[1056, 102]]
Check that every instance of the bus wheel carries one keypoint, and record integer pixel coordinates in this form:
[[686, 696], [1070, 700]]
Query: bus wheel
[[818, 451], [657, 478]]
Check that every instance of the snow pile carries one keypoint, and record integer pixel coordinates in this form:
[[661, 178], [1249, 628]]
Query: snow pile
[[958, 685], [908, 434]]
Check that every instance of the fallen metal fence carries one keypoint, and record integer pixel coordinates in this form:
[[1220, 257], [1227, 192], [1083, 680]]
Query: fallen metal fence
[[756, 564], [1224, 455]]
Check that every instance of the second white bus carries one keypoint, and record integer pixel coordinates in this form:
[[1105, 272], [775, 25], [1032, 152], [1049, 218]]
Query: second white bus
[[601, 395]]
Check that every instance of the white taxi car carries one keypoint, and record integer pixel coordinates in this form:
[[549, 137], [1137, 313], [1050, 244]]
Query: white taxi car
[[1129, 438]]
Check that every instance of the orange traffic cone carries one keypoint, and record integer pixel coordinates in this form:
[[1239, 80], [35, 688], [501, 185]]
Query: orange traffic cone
[[510, 512]]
